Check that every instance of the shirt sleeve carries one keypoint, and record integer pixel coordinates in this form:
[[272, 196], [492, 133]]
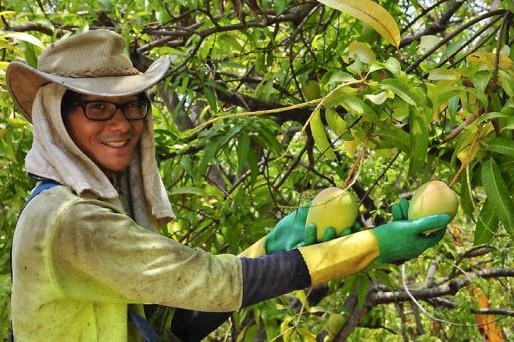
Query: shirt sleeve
[[100, 254], [263, 278]]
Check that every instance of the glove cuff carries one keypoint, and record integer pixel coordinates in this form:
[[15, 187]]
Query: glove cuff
[[340, 257], [256, 250]]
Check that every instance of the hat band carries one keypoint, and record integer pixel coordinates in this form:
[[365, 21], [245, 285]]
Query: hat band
[[98, 73]]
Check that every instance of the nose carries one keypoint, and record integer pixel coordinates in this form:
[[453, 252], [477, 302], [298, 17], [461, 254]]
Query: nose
[[119, 122]]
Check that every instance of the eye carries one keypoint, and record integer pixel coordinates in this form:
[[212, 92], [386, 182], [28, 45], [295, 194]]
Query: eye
[[130, 105], [101, 106]]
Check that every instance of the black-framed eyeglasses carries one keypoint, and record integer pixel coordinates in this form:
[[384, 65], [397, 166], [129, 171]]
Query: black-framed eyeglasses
[[103, 111]]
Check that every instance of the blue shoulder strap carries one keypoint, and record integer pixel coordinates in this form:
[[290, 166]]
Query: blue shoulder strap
[[45, 184], [147, 332]]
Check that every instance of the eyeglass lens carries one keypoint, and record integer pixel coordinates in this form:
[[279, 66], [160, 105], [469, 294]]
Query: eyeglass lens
[[99, 110]]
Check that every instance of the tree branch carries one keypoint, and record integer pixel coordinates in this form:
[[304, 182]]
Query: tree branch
[[440, 26], [381, 296]]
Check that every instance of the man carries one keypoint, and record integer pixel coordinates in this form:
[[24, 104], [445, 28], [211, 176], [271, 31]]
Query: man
[[86, 255]]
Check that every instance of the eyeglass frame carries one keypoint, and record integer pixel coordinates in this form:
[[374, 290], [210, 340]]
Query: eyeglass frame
[[83, 105]]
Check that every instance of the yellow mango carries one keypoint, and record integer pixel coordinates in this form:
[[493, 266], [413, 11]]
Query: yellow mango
[[333, 207], [434, 197]]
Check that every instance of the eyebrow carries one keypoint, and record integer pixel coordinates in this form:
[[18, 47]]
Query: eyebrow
[[108, 99]]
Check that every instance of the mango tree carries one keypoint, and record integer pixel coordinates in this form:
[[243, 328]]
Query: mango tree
[[269, 102]]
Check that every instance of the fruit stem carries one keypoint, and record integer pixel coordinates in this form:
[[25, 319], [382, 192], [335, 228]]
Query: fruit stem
[[467, 160], [356, 167]]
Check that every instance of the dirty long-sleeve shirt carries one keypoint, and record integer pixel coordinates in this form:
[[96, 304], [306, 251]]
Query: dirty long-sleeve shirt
[[79, 262]]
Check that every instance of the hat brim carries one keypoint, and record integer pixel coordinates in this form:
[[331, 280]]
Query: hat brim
[[24, 81]]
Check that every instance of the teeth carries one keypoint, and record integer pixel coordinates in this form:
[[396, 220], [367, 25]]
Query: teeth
[[115, 143]]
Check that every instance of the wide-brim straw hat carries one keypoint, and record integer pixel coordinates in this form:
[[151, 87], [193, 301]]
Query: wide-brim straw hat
[[92, 63]]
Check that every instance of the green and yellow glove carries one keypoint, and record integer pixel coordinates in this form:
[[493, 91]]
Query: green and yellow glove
[[391, 242], [403, 240], [400, 210], [290, 233], [417, 239]]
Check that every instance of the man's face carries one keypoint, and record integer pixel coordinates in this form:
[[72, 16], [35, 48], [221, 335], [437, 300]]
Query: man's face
[[111, 143]]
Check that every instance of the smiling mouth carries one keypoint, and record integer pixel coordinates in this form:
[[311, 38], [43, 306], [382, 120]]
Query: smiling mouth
[[116, 144]]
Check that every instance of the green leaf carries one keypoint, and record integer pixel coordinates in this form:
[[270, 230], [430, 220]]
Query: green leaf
[[453, 106], [212, 148], [187, 164], [280, 6], [25, 37], [443, 75], [441, 92], [428, 42], [487, 224], [393, 65], [267, 138], [335, 97], [243, 148], [508, 108], [355, 105], [320, 136], [481, 80], [419, 143], [502, 145], [189, 190], [229, 42], [507, 124], [370, 13], [400, 109], [470, 98], [498, 194], [466, 198], [491, 116], [362, 51], [383, 276], [403, 90], [377, 99], [336, 122], [254, 166], [509, 5], [30, 55], [394, 137], [339, 77], [507, 82], [362, 291], [210, 95]]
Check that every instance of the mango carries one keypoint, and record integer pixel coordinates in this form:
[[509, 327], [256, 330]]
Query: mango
[[434, 197], [335, 324], [332, 207], [311, 90]]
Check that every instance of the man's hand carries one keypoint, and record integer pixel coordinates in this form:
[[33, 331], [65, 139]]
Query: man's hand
[[400, 210], [402, 239], [291, 232]]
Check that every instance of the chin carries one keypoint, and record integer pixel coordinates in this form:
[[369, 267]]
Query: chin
[[110, 169], [118, 169]]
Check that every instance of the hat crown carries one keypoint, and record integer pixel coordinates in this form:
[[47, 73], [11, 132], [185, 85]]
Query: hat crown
[[92, 63], [98, 53]]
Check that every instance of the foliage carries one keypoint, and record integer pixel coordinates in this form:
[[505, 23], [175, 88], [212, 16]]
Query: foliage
[[269, 102]]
